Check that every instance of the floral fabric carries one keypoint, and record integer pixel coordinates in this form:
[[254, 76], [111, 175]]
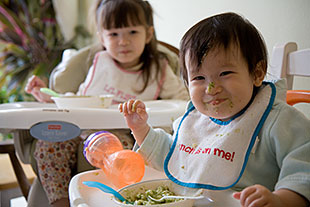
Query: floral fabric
[[57, 161]]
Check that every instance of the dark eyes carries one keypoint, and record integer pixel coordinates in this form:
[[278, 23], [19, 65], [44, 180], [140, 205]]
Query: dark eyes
[[199, 78], [225, 73], [114, 34], [133, 32]]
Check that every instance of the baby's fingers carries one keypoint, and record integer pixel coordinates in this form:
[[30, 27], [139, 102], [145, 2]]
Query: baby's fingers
[[123, 107], [237, 195], [245, 194], [130, 106], [138, 106], [120, 107], [255, 195]]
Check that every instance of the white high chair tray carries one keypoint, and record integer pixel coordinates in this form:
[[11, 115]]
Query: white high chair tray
[[23, 115], [84, 196]]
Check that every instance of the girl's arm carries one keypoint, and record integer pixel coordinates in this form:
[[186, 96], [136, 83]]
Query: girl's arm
[[136, 118]]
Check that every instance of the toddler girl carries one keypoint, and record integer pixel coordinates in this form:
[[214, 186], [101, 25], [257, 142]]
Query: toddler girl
[[129, 66]]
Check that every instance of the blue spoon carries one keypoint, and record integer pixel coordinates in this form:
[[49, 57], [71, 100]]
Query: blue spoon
[[106, 189]]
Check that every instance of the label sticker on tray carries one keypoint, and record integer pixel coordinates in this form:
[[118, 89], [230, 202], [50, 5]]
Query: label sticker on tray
[[55, 131]]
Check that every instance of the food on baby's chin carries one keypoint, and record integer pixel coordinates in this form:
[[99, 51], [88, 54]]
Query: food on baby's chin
[[159, 192]]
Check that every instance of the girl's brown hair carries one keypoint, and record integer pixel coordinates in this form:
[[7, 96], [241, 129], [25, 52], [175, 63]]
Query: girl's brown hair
[[222, 30], [124, 13]]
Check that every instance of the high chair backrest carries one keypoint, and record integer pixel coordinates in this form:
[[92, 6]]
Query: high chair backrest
[[287, 62]]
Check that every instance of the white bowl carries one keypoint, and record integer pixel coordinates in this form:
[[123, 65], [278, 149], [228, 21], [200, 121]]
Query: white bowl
[[132, 190], [102, 101]]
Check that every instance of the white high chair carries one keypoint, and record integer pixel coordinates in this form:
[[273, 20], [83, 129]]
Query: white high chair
[[63, 80], [287, 62]]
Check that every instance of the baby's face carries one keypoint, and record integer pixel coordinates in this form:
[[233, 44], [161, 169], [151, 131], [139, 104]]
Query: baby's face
[[223, 85]]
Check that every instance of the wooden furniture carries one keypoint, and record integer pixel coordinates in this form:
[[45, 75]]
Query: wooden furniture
[[170, 47], [9, 160]]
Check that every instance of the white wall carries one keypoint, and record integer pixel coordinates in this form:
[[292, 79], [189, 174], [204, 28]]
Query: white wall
[[279, 21]]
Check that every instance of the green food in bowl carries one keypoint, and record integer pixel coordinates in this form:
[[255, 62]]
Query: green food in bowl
[[159, 187], [141, 198]]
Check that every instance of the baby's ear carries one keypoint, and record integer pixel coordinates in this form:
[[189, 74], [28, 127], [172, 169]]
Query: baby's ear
[[259, 73], [149, 34]]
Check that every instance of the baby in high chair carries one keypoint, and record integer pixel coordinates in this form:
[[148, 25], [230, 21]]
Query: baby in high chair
[[238, 132]]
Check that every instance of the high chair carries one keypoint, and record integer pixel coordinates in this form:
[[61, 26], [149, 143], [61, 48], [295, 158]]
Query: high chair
[[64, 79], [287, 62]]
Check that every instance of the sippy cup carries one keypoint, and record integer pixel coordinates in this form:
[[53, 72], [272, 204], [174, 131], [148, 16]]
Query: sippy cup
[[122, 167]]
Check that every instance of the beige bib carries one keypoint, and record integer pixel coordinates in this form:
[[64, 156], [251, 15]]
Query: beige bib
[[106, 77]]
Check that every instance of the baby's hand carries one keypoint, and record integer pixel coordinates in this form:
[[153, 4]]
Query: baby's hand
[[134, 112], [257, 196], [136, 118]]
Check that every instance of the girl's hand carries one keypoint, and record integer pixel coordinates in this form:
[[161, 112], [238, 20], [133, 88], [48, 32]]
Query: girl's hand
[[136, 118], [258, 196], [33, 87]]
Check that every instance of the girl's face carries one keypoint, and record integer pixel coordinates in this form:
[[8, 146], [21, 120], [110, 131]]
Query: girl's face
[[223, 85], [126, 44]]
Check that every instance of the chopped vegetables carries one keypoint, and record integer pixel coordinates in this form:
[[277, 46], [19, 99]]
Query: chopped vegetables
[[160, 191]]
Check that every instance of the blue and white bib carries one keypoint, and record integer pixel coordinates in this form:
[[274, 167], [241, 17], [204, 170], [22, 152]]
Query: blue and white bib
[[212, 154]]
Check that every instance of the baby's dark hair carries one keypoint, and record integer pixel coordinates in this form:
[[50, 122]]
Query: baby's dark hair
[[125, 13], [220, 31]]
